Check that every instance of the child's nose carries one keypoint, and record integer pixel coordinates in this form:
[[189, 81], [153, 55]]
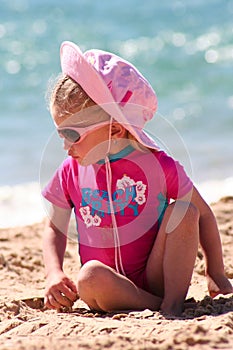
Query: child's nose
[[67, 145]]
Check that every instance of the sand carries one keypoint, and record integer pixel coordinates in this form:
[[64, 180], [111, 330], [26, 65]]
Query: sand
[[24, 323]]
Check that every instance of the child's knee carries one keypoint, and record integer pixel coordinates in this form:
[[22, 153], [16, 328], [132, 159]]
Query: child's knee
[[91, 275], [88, 281]]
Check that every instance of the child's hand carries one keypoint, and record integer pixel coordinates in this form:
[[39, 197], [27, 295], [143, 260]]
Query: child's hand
[[219, 285], [60, 291]]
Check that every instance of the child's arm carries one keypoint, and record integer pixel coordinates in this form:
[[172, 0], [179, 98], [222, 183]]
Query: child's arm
[[60, 290], [211, 245]]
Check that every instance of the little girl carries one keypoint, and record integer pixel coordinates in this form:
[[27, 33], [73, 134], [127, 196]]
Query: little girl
[[139, 217]]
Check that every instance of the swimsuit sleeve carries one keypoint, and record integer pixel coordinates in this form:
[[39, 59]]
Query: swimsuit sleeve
[[178, 183], [56, 190]]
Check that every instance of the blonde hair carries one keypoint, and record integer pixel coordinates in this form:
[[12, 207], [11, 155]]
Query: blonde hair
[[68, 97]]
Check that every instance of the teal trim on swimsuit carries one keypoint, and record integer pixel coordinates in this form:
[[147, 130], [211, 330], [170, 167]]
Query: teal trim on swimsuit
[[163, 204], [123, 153]]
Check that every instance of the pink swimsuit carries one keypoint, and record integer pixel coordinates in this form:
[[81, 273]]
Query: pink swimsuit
[[141, 188]]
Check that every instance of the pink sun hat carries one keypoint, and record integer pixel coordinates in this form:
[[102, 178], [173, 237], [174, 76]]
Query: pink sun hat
[[115, 85]]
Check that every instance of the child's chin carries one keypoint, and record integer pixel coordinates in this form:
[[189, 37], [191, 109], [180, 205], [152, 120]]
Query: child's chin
[[84, 161], [89, 160]]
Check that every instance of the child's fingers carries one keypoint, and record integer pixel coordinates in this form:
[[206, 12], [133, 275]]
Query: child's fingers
[[71, 285], [62, 299], [51, 303], [66, 291], [61, 294]]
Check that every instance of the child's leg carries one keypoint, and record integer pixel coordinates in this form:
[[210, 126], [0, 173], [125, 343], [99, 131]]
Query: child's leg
[[102, 288], [210, 242], [170, 265]]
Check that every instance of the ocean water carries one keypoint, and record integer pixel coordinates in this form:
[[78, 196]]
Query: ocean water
[[184, 48]]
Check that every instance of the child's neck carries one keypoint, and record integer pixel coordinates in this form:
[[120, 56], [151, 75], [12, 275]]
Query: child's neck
[[117, 145]]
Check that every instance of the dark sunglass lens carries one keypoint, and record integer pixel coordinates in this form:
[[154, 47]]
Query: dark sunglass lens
[[70, 135]]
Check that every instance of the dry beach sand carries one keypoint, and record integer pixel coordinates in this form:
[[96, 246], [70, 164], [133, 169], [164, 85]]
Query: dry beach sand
[[24, 324]]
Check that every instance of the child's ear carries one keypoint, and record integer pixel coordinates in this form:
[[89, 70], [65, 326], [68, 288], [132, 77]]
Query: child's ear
[[118, 131]]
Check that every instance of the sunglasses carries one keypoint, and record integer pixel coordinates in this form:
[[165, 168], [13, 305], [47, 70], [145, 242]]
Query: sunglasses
[[77, 134]]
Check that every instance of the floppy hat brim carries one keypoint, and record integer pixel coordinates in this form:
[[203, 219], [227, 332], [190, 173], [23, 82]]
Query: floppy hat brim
[[75, 65]]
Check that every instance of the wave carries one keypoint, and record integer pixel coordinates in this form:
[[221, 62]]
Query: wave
[[213, 190], [21, 205]]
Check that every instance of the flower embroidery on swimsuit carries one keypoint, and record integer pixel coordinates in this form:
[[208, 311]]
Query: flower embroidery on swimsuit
[[85, 211], [140, 199], [140, 187], [88, 219], [126, 181], [96, 220], [140, 190]]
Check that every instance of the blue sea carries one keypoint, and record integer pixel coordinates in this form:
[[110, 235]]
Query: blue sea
[[184, 48]]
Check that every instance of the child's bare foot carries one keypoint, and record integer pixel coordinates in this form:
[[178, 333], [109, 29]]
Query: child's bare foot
[[219, 285]]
